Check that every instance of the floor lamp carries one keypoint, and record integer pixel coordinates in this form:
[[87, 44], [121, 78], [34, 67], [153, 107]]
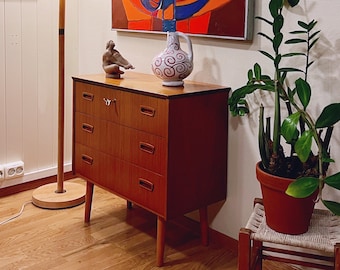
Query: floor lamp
[[66, 194]]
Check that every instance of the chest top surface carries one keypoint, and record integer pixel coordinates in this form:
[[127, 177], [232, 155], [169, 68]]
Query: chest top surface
[[149, 85]]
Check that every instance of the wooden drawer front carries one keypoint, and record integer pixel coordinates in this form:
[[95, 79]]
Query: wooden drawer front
[[86, 161], [96, 100], [87, 130], [145, 188], [110, 175], [144, 113], [111, 138], [110, 103], [85, 98], [133, 183], [144, 150]]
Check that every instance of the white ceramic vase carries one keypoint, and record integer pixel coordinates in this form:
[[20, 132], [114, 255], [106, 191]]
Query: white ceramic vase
[[173, 65]]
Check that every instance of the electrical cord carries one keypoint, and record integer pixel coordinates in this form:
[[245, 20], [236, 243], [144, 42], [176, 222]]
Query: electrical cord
[[16, 215]]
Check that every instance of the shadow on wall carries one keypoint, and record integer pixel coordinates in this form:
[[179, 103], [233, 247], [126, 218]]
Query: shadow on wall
[[211, 70]]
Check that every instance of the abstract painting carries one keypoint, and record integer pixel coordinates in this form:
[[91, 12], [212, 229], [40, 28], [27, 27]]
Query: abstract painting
[[230, 19]]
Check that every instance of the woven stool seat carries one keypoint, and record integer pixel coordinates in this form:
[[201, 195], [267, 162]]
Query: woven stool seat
[[323, 232], [323, 236]]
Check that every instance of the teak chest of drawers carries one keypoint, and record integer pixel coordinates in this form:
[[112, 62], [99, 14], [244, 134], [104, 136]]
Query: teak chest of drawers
[[164, 149]]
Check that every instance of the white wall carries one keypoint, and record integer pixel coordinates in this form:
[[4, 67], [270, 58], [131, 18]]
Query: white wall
[[28, 86], [224, 62], [88, 28]]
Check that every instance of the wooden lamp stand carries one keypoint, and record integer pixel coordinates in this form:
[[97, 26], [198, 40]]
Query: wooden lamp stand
[[66, 194]]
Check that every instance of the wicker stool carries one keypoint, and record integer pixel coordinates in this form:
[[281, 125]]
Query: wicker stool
[[318, 248]]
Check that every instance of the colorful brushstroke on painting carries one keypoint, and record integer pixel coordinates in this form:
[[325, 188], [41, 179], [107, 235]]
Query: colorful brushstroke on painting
[[216, 18]]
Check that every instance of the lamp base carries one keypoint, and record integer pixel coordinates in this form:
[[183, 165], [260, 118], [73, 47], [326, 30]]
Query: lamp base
[[47, 197]]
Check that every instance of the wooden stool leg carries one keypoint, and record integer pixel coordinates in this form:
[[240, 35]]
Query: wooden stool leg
[[337, 256], [88, 200], [160, 240], [204, 226], [244, 249], [257, 254]]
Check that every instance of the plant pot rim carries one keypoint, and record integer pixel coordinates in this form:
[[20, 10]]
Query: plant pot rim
[[267, 178]]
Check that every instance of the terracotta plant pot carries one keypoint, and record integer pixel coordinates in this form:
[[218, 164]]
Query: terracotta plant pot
[[284, 213]]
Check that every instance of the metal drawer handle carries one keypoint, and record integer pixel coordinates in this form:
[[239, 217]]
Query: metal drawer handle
[[88, 96], [146, 184], [146, 147], [87, 127], [87, 159], [148, 111]]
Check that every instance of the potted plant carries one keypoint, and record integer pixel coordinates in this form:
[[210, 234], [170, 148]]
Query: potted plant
[[303, 164]]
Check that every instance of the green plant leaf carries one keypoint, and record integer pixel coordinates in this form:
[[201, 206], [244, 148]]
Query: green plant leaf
[[257, 71], [333, 180], [236, 102], [266, 36], [289, 127], [303, 145], [295, 41], [313, 43], [303, 187], [298, 32], [242, 110], [263, 19], [293, 54], [314, 34], [277, 42], [290, 70], [293, 3], [329, 116], [312, 24], [277, 60], [304, 91], [309, 64], [303, 25], [275, 6], [333, 206], [250, 75], [266, 78], [267, 54], [278, 24]]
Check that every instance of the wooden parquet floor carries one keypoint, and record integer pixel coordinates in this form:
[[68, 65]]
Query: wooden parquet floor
[[117, 238]]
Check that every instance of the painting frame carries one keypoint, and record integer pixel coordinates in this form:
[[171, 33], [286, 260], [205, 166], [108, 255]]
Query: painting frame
[[223, 19]]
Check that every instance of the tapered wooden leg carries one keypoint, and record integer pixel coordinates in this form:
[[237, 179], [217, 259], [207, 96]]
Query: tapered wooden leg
[[88, 200], [337, 256], [204, 226], [161, 223]]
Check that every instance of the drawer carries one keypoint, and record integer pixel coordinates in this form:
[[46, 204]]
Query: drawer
[[144, 150], [144, 188], [138, 111], [86, 161], [87, 130], [144, 113], [97, 101], [135, 184]]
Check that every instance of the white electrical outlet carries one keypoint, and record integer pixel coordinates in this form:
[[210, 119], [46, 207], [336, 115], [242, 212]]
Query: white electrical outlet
[[2, 173], [14, 169]]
